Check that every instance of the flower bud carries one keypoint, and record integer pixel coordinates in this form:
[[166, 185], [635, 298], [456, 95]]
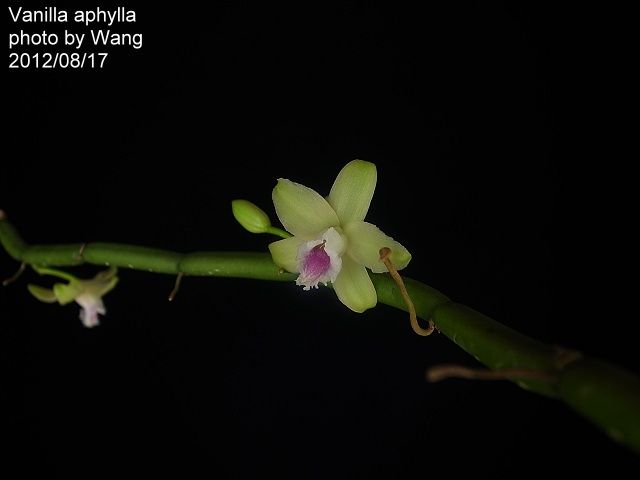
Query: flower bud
[[250, 216]]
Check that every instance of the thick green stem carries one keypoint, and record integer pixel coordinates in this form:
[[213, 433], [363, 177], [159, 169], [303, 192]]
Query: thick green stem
[[606, 394]]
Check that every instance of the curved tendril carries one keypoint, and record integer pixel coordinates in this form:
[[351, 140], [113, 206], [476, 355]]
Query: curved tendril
[[15, 276], [385, 252]]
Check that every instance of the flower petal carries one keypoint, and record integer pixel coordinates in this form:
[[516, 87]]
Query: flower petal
[[42, 294], [285, 253], [365, 242], [107, 274], [302, 210], [353, 189], [100, 285], [354, 287], [67, 293]]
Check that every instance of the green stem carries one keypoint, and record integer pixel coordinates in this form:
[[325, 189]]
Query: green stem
[[278, 232], [606, 394], [55, 273]]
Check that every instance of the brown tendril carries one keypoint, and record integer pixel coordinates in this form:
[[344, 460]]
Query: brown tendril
[[385, 252], [15, 276], [441, 372], [176, 287]]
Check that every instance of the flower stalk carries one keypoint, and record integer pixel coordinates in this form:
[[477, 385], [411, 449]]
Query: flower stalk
[[606, 394]]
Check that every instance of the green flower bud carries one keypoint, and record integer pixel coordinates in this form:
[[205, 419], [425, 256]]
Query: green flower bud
[[250, 216]]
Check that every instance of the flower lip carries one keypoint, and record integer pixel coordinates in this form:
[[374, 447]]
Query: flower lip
[[319, 260], [315, 264], [91, 307]]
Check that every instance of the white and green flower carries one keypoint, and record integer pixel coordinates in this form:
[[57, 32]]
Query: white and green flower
[[86, 293], [331, 242]]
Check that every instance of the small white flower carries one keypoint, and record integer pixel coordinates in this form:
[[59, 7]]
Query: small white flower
[[86, 293]]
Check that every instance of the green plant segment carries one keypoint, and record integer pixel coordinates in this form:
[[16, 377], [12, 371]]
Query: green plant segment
[[604, 393]]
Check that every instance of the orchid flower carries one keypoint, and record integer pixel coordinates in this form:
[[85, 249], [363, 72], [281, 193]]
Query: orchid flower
[[86, 293], [331, 242]]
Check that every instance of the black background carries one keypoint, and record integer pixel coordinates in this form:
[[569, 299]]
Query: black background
[[458, 107]]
